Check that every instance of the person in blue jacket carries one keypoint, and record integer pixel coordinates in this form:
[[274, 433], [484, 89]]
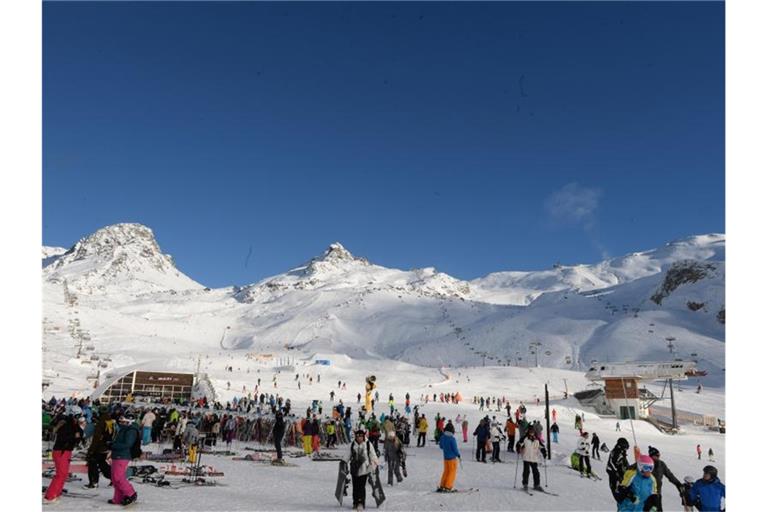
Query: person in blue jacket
[[126, 437], [451, 458], [638, 491], [708, 493]]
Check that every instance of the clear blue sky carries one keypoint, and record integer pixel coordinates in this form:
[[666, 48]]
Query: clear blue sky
[[470, 137]]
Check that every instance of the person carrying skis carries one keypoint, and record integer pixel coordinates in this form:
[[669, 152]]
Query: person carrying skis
[[451, 459], [617, 465], [96, 456], [555, 429], [362, 462], [393, 450], [595, 446], [68, 436], [482, 432], [637, 491], [510, 427], [582, 449], [127, 435], [423, 428], [708, 493], [529, 448]]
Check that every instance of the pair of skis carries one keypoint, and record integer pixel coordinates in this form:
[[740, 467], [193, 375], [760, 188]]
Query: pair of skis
[[543, 491]]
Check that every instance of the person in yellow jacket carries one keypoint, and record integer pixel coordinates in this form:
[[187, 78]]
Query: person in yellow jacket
[[423, 428], [330, 431]]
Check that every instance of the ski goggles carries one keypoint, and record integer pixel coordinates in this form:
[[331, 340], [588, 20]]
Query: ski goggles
[[646, 468]]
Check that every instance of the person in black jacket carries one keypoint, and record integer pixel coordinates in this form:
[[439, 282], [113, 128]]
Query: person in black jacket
[[278, 430], [482, 432], [68, 436], [595, 446], [96, 457], [617, 465], [660, 470]]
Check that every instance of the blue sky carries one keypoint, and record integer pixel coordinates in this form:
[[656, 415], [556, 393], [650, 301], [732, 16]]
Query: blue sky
[[470, 137]]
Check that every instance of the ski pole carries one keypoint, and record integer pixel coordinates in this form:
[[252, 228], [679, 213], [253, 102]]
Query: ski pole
[[517, 463], [546, 479]]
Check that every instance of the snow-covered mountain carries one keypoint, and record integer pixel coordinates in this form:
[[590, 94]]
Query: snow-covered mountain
[[118, 290], [121, 256]]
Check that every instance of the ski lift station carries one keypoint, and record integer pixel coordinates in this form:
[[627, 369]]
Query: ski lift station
[[621, 382]]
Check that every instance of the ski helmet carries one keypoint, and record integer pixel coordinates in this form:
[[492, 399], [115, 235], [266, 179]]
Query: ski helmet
[[711, 471], [645, 464], [653, 452], [622, 443]]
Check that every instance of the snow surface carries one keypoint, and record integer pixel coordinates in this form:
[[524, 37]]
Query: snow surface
[[310, 486]]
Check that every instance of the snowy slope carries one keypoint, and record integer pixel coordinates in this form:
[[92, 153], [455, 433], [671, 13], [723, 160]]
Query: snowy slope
[[118, 294]]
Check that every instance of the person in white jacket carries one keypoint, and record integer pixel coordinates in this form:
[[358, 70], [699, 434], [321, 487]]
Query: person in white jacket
[[497, 435], [583, 451], [362, 462], [529, 448]]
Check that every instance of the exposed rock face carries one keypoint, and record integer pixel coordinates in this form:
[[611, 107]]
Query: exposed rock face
[[682, 272]]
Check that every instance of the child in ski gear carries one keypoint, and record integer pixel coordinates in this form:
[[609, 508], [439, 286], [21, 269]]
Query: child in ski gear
[[555, 429], [127, 436], [708, 493], [660, 470], [529, 448], [698, 450], [451, 458], [583, 450], [497, 435], [510, 428], [617, 465], [362, 462], [711, 455], [637, 491], [68, 436]]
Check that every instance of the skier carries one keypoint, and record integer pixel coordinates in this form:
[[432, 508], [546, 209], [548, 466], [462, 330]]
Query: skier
[[482, 432], [362, 462], [464, 427], [708, 492], [497, 435], [617, 465], [127, 436], [393, 453], [358, 398], [711, 455], [529, 448], [637, 491], [278, 430], [555, 429], [510, 427], [451, 458], [660, 470], [698, 451], [595, 446], [330, 431], [582, 450], [618, 427], [68, 436], [423, 427], [306, 435], [96, 456]]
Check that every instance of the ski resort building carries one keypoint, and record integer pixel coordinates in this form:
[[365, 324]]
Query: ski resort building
[[622, 393], [150, 382]]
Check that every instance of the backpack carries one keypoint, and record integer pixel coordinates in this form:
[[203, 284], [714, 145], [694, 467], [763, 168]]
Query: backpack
[[136, 447]]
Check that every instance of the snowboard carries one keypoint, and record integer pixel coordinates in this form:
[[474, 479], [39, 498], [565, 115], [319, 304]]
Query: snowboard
[[342, 481], [378, 490]]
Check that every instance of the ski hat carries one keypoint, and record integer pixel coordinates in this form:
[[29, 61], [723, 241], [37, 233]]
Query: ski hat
[[622, 443], [653, 452], [645, 464], [711, 471]]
